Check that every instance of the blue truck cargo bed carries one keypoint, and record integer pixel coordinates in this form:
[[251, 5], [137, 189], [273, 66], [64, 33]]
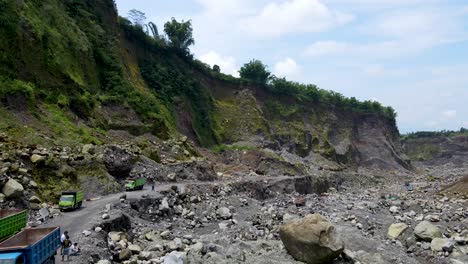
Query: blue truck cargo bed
[[35, 245]]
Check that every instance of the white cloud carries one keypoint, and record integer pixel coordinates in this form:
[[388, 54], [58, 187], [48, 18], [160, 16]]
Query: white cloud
[[226, 63], [404, 33], [429, 24], [294, 16], [321, 48], [380, 3], [432, 124], [465, 10], [449, 114], [465, 124], [374, 70], [384, 49], [286, 68]]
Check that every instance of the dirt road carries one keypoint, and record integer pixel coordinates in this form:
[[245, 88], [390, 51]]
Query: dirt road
[[84, 218], [77, 221]]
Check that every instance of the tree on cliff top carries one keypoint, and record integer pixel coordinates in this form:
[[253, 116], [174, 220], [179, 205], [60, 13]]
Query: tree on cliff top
[[255, 71], [180, 34], [137, 17]]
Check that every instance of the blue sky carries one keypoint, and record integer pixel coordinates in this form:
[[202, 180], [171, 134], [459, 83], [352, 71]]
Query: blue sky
[[409, 54]]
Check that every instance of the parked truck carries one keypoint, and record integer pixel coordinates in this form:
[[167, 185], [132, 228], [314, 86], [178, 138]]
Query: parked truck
[[135, 184], [11, 222], [31, 246], [70, 200]]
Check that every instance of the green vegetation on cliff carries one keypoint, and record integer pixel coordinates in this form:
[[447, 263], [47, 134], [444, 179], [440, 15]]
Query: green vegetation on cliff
[[429, 134]]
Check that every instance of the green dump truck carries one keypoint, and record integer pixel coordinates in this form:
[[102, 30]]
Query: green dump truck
[[135, 184], [71, 200], [11, 222]]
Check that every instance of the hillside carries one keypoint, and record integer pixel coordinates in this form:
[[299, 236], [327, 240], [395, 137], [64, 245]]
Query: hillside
[[74, 72]]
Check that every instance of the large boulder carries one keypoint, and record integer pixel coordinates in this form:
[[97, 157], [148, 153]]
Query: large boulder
[[224, 213], [427, 231], [395, 230], [13, 189], [312, 240], [119, 162]]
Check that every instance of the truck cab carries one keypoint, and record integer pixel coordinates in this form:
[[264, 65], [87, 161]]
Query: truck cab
[[131, 185], [67, 201], [135, 184], [12, 258], [71, 200], [31, 246]]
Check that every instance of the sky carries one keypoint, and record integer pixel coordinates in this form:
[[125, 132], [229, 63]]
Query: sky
[[408, 54]]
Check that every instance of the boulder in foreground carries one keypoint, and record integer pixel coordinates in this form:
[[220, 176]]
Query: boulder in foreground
[[312, 240], [427, 231], [13, 189], [395, 230]]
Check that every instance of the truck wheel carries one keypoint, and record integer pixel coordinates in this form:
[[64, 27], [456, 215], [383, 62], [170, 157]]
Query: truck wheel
[[51, 260], [79, 204]]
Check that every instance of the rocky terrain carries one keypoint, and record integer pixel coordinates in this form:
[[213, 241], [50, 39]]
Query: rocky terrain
[[229, 223], [231, 207]]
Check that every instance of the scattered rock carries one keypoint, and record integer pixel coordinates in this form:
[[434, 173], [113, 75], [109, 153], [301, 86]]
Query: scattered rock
[[44, 213], [125, 254], [395, 230], [33, 184], [175, 257], [36, 158], [35, 199], [116, 236], [145, 255], [172, 177], [165, 234], [134, 248], [442, 244], [394, 209], [224, 213]]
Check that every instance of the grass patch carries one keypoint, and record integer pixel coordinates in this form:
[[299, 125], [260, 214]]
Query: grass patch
[[222, 148]]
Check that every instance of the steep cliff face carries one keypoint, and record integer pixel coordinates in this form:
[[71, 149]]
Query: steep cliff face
[[71, 71], [312, 134], [438, 150]]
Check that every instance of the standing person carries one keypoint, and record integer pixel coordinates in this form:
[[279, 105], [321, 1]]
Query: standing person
[[152, 184], [62, 238], [66, 248]]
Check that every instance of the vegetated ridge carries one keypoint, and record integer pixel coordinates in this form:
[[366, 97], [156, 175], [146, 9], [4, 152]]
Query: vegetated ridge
[[74, 71]]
